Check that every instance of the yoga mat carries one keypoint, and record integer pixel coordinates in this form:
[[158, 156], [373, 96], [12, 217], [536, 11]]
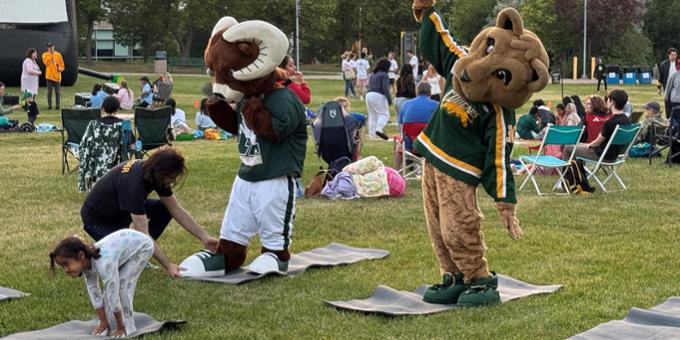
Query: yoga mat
[[80, 330], [389, 301], [660, 322], [9, 294], [334, 254]]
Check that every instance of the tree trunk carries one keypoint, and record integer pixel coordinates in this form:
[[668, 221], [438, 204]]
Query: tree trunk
[[185, 46], [88, 42]]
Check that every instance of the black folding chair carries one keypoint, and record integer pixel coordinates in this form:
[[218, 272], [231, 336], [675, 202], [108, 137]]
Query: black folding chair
[[666, 138], [152, 125], [74, 122]]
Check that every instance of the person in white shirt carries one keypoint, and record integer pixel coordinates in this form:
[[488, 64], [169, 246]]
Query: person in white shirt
[[203, 121], [178, 120], [413, 60], [348, 73], [392, 74], [362, 67], [435, 80]]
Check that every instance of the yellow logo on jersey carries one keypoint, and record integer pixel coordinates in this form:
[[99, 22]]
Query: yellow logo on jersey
[[127, 166]]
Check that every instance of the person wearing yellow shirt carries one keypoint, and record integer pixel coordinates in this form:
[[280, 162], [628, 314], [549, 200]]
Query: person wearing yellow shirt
[[54, 66]]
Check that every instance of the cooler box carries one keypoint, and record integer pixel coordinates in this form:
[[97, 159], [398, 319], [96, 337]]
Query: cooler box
[[83, 99]]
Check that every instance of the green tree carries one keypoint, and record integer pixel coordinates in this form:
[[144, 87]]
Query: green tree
[[540, 17], [138, 23], [468, 18], [87, 13], [662, 24]]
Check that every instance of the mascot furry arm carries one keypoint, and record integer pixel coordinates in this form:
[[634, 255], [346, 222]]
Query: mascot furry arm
[[503, 67], [243, 59]]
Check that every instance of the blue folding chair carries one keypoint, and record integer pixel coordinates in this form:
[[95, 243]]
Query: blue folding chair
[[624, 136], [554, 135]]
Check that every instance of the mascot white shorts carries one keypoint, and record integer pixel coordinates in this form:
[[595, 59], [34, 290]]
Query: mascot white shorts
[[266, 208]]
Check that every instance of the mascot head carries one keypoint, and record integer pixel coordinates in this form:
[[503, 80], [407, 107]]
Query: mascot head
[[505, 65], [243, 57]]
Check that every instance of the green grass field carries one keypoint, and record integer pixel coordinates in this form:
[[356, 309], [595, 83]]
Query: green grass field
[[611, 251]]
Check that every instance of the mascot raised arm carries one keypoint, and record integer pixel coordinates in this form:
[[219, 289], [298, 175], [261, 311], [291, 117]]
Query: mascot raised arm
[[468, 142], [270, 122]]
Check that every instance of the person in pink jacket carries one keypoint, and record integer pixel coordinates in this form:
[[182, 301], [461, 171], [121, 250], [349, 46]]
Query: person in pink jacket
[[30, 71]]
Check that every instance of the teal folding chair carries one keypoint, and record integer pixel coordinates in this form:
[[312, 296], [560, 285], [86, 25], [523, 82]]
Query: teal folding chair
[[554, 135], [624, 136]]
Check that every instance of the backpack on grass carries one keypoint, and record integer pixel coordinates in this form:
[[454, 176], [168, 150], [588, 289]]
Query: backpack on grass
[[577, 178]]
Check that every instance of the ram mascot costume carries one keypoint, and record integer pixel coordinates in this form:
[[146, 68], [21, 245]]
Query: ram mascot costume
[[270, 122], [469, 140]]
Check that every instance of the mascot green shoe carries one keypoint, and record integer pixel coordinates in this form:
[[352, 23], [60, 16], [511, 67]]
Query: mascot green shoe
[[481, 292], [447, 292]]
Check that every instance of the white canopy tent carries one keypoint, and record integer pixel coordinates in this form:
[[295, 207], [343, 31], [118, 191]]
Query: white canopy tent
[[32, 11]]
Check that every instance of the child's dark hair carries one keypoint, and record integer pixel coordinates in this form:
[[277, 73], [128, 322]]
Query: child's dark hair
[[96, 88], [202, 107], [70, 247], [110, 105]]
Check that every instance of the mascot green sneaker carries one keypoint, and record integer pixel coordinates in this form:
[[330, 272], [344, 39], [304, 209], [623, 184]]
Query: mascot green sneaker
[[481, 292], [447, 292]]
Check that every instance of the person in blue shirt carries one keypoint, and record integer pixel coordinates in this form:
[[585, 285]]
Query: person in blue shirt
[[147, 92], [98, 96], [417, 110]]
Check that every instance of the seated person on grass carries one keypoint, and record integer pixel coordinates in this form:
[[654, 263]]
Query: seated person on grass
[[528, 126], [121, 198], [178, 120], [616, 100], [203, 120], [5, 110], [547, 117], [98, 96], [652, 117]]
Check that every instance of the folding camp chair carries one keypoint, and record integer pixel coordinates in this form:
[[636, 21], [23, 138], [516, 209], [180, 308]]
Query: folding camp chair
[[554, 135], [152, 127], [408, 161], [624, 135], [335, 134], [667, 139], [74, 122]]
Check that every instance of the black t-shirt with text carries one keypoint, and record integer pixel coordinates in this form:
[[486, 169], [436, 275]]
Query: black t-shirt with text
[[121, 192], [607, 131]]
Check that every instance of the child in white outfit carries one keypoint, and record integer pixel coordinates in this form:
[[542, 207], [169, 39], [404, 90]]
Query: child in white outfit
[[118, 259]]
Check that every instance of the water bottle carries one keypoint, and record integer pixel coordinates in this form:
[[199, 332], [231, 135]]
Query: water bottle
[[138, 145]]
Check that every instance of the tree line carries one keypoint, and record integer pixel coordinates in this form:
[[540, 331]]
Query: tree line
[[630, 32]]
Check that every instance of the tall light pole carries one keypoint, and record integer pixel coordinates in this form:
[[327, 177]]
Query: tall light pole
[[585, 33], [297, 34]]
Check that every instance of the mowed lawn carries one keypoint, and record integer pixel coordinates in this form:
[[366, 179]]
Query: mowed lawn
[[611, 251]]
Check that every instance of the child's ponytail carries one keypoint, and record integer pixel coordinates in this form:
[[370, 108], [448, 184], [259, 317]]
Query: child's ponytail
[[70, 247]]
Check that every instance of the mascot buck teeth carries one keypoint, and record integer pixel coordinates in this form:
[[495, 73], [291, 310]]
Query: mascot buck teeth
[[270, 121], [468, 142]]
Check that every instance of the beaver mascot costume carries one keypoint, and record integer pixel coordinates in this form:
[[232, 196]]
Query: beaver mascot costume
[[468, 142]]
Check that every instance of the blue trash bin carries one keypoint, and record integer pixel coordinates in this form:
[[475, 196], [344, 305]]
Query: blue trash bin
[[613, 74], [645, 76], [630, 75]]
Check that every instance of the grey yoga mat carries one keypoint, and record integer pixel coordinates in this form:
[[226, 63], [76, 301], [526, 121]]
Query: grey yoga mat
[[334, 254], [389, 301], [660, 322], [8, 294], [77, 330]]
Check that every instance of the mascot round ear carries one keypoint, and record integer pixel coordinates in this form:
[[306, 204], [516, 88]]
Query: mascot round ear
[[222, 24], [272, 42], [509, 19]]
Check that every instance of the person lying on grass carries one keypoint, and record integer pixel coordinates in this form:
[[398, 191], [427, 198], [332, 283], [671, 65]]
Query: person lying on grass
[[118, 259], [121, 197]]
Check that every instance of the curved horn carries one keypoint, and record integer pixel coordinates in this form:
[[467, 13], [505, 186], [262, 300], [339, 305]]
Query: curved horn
[[272, 42], [224, 23], [229, 94]]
